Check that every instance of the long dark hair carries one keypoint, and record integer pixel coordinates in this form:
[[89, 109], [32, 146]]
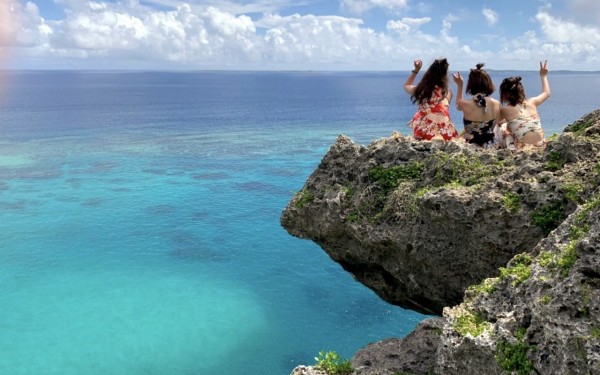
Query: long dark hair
[[436, 75], [480, 82], [512, 91]]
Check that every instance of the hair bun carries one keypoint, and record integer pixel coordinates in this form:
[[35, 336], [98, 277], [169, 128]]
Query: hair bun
[[518, 79], [479, 66]]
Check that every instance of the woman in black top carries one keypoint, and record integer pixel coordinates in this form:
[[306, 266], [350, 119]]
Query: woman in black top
[[480, 111]]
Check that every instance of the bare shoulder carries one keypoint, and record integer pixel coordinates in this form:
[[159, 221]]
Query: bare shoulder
[[509, 112], [493, 103]]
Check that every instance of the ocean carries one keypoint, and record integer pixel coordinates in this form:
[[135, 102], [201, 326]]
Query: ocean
[[139, 217]]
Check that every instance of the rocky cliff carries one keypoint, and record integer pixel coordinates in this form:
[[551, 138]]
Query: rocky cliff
[[509, 239]]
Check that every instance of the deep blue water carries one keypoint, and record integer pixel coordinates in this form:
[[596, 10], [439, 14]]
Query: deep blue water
[[139, 218]]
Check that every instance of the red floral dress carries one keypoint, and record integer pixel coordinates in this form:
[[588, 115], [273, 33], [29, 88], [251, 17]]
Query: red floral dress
[[433, 118]]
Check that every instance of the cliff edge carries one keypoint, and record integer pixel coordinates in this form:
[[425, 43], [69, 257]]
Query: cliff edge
[[509, 239]]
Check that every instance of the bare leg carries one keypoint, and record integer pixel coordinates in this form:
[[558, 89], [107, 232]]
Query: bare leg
[[533, 138]]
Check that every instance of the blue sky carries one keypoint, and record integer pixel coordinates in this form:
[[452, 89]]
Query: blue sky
[[298, 35]]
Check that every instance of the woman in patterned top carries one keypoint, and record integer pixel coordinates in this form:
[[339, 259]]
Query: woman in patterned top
[[432, 96], [480, 111], [522, 119]]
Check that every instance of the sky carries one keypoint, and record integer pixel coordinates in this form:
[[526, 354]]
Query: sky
[[345, 35]]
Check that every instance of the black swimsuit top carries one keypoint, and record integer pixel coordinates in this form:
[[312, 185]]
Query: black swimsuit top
[[481, 124], [479, 132]]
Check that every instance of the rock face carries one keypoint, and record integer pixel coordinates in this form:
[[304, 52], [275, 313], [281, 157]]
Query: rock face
[[418, 222], [510, 240]]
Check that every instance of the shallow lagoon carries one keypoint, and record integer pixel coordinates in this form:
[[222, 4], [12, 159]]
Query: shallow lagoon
[[139, 215]]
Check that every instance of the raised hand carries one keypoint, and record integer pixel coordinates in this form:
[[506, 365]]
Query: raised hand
[[458, 79], [418, 64], [544, 68]]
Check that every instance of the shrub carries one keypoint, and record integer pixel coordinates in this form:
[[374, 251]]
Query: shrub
[[332, 364]]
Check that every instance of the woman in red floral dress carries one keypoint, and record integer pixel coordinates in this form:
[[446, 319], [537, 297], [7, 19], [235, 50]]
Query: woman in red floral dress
[[432, 96]]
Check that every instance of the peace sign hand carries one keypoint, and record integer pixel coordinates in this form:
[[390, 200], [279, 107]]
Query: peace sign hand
[[458, 79], [544, 68]]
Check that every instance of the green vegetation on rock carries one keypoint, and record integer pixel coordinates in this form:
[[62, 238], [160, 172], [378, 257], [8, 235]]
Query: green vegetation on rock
[[573, 192], [512, 202], [303, 198], [512, 356], [520, 269], [556, 161], [388, 178], [348, 192], [469, 323], [549, 216], [546, 258], [567, 258], [579, 127], [544, 300], [464, 170], [332, 364], [487, 286]]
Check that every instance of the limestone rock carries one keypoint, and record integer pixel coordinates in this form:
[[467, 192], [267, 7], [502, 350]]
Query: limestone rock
[[307, 370], [415, 353], [542, 315], [511, 241], [418, 222]]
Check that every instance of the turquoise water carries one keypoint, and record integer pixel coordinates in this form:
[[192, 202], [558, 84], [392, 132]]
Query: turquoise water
[[140, 222], [164, 255]]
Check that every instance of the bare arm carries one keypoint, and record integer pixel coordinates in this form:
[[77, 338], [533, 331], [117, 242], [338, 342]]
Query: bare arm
[[459, 89], [545, 85], [409, 86], [500, 117]]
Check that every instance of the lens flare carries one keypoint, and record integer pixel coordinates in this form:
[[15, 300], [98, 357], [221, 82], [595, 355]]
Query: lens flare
[[6, 32], [5, 28]]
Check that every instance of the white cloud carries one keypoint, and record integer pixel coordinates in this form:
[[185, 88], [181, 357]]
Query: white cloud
[[587, 11], [563, 43], [407, 24], [445, 33], [201, 36], [212, 38], [560, 31], [312, 39], [490, 16], [97, 6], [362, 6], [569, 41]]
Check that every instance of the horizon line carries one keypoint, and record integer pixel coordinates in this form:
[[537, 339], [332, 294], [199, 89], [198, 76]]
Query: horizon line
[[127, 70]]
